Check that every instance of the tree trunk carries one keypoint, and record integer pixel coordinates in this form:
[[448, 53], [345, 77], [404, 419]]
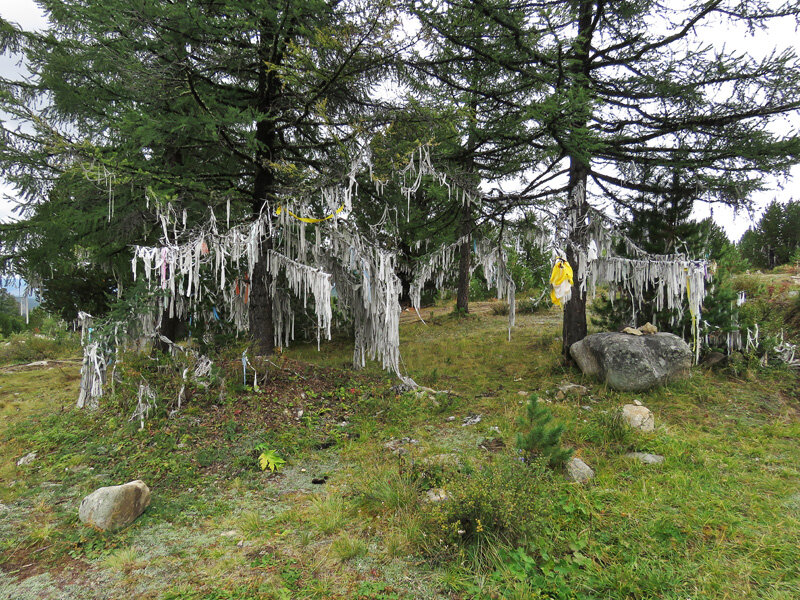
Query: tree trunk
[[169, 329], [262, 327], [465, 255], [574, 327], [260, 320]]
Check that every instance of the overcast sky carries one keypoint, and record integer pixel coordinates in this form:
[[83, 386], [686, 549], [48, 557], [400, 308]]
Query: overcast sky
[[29, 16]]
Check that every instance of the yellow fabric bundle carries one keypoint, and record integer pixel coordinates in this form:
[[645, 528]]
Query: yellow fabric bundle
[[561, 280]]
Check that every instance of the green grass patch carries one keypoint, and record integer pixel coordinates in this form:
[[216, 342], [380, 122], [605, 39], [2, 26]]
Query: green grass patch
[[349, 514]]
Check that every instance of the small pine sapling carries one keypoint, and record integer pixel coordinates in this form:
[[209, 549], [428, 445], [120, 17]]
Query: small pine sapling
[[541, 437]]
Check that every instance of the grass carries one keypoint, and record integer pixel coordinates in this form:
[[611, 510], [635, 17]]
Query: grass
[[347, 547], [718, 519]]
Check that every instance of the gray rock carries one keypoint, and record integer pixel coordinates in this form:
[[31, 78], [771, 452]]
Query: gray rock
[[573, 389], [27, 459], [638, 417], [398, 446], [714, 360], [436, 495], [579, 471], [401, 388], [471, 420], [644, 457], [631, 363], [114, 507]]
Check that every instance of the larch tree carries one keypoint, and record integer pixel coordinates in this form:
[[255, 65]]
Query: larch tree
[[646, 89], [637, 83], [232, 106], [463, 68]]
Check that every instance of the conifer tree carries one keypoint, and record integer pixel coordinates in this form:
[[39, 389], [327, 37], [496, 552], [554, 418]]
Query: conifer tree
[[540, 436], [231, 105], [775, 238], [487, 142], [621, 83]]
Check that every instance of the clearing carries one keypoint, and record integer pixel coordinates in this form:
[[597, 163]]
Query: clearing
[[347, 516]]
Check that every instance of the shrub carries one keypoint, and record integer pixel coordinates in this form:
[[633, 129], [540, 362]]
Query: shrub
[[526, 306], [529, 306], [28, 347], [500, 503], [501, 308]]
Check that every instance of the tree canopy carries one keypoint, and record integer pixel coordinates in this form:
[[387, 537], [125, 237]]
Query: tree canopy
[[221, 134], [775, 238]]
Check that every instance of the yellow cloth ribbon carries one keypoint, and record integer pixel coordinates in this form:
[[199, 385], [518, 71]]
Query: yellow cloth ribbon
[[562, 282], [308, 220]]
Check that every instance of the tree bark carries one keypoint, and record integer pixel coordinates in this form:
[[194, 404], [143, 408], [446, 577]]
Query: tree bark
[[169, 329], [574, 326], [262, 327], [260, 319], [465, 255]]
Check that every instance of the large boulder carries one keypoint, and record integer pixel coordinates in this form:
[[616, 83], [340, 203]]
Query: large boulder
[[114, 507], [633, 363]]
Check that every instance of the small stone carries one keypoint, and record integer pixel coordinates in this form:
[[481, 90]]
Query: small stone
[[436, 495], [396, 446], [644, 457], [713, 360], [27, 459], [631, 331], [114, 507], [587, 408], [471, 420], [230, 533], [450, 419], [522, 393], [302, 470], [579, 471], [638, 417], [648, 329], [492, 444], [401, 388], [638, 402], [572, 389]]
